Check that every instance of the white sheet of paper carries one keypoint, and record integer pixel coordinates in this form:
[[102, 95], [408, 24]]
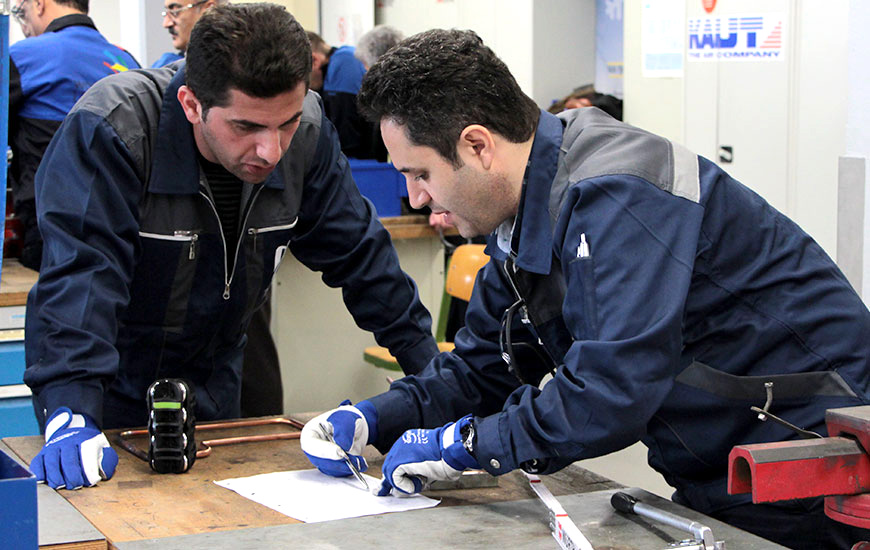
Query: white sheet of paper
[[310, 496]]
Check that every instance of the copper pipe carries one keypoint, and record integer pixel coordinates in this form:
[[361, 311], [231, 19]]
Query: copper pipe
[[205, 446]]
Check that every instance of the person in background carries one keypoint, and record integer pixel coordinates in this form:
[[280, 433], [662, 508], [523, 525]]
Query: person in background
[[586, 96], [167, 200], [660, 294], [320, 52], [179, 19], [370, 46], [341, 74], [375, 43], [62, 56]]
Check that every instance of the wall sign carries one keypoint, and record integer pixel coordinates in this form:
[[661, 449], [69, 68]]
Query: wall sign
[[757, 37]]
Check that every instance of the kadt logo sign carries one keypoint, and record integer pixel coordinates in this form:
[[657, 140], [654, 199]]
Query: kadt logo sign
[[709, 5]]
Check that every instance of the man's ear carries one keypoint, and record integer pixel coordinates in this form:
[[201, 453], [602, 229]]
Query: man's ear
[[477, 142], [191, 105], [39, 7]]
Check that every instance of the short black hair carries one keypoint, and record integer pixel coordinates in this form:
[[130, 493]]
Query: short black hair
[[258, 49], [438, 82], [80, 5]]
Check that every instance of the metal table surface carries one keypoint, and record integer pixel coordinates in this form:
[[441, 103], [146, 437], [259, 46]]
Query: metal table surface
[[517, 525]]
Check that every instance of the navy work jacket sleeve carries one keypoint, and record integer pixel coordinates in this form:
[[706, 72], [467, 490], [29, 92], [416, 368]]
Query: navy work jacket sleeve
[[623, 306], [89, 222], [339, 234]]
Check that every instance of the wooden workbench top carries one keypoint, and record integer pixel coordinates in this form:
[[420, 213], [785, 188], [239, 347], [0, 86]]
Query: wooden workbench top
[[138, 504], [15, 283], [414, 226]]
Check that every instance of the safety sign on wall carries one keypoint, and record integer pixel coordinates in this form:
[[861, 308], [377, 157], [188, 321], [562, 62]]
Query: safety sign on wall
[[737, 38]]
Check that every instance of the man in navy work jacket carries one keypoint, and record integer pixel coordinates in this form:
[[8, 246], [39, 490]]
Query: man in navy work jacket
[[661, 292], [167, 200], [62, 57]]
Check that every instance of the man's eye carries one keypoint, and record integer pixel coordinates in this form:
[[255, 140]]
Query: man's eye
[[422, 176]]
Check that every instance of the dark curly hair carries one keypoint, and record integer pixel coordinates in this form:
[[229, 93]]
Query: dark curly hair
[[258, 49], [438, 82]]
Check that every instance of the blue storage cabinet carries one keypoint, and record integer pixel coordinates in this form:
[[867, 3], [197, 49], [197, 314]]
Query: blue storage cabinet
[[16, 407], [381, 183]]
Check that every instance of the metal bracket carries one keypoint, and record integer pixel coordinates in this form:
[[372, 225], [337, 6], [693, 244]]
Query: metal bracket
[[764, 414]]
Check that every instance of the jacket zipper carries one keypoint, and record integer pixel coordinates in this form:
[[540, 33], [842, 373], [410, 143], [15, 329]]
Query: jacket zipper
[[228, 277], [177, 236]]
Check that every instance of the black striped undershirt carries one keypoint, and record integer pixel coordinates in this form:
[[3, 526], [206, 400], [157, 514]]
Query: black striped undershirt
[[226, 191]]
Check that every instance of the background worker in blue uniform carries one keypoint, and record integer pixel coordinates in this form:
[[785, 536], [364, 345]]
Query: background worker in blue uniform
[[663, 292], [167, 200], [179, 19], [63, 55], [342, 73]]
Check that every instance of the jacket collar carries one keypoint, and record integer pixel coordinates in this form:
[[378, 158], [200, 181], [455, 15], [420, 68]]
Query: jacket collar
[[174, 168], [534, 243], [71, 20]]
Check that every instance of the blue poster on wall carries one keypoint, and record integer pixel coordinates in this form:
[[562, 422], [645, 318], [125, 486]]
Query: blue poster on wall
[[608, 47]]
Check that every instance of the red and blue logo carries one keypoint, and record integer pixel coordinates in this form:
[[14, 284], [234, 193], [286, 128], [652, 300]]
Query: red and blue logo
[[733, 38]]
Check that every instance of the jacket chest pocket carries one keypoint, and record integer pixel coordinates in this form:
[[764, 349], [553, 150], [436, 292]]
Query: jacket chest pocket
[[163, 279], [267, 247]]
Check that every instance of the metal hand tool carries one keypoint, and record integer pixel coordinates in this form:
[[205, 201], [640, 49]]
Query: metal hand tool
[[345, 456], [703, 540]]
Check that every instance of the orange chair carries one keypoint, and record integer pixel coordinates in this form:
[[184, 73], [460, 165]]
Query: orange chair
[[466, 261]]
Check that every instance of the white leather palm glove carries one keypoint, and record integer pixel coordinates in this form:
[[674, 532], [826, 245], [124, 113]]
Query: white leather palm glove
[[348, 427], [421, 457], [76, 453]]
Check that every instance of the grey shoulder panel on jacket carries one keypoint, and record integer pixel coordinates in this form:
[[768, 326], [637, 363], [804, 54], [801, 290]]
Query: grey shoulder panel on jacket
[[130, 103], [594, 144]]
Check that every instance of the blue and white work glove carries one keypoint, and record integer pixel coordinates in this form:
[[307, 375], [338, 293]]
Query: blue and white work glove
[[348, 427], [76, 453], [421, 457]]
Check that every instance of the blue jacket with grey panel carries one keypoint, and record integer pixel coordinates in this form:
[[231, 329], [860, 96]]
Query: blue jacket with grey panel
[[134, 284], [47, 75], [690, 293]]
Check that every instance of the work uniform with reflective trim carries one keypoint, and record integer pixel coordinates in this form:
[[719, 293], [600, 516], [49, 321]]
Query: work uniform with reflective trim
[[47, 75], [665, 294], [136, 285]]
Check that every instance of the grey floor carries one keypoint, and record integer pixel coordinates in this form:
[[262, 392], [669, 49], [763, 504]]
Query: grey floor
[[629, 467]]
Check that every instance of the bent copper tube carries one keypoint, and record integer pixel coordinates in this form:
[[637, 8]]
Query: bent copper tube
[[205, 446]]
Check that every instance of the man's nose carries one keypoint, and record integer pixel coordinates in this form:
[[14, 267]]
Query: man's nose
[[269, 147], [417, 196]]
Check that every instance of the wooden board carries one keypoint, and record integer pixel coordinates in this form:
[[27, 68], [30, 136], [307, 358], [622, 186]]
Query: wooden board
[[413, 226], [139, 504], [16, 282]]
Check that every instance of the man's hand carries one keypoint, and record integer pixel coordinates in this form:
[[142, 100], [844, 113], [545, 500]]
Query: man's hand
[[420, 457], [348, 427], [76, 454]]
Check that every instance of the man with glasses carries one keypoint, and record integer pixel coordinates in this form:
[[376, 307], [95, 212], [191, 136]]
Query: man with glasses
[[660, 294], [167, 200], [179, 19], [62, 56]]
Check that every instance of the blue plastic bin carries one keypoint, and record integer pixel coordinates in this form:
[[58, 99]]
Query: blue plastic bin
[[18, 525], [381, 183]]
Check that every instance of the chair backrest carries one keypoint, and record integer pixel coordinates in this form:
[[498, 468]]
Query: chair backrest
[[466, 261]]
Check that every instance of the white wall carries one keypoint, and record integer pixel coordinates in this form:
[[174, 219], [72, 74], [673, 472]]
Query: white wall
[[654, 104], [857, 140], [563, 49], [549, 46]]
